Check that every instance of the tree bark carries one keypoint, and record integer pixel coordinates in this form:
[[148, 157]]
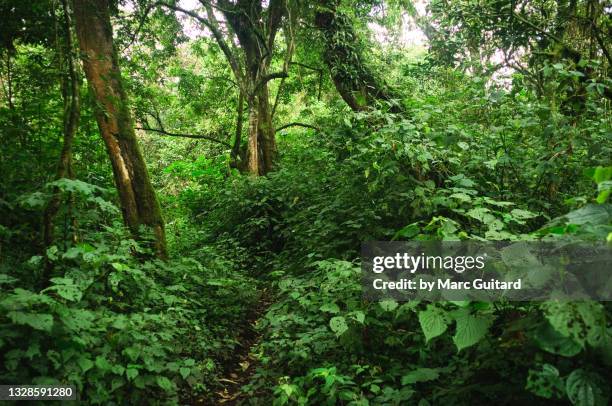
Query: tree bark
[[266, 132], [235, 154], [139, 203], [253, 140]]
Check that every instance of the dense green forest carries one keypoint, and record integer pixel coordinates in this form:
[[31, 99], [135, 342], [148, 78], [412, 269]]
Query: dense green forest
[[185, 187]]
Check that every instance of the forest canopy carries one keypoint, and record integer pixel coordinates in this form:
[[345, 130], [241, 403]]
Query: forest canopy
[[185, 187]]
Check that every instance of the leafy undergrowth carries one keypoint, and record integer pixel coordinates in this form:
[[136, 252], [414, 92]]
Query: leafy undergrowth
[[300, 230], [323, 344], [122, 328]]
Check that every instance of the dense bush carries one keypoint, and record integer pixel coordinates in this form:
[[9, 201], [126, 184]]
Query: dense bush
[[436, 176], [119, 328]]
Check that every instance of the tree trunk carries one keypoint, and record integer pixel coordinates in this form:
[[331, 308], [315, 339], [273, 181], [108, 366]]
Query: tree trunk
[[72, 111], [139, 202], [266, 131], [253, 166], [235, 154]]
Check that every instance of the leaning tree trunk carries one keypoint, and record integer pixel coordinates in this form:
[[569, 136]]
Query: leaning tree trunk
[[139, 202], [356, 83]]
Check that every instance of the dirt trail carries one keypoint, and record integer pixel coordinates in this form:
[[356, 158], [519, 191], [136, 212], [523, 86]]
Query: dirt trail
[[239, 370]]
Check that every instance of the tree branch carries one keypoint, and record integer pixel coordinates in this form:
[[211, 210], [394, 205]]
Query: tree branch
[[303, 65], [211, 24], [194, 136], [296, 124], [601, 43], [265, 79], [143, 19]]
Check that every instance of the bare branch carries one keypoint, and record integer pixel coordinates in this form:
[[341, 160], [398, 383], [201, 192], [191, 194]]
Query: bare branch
[[181, 135], [296, 124]]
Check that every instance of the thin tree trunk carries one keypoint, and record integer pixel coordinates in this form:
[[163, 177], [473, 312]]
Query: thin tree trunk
[[235, 154], [253, 145], [139, 202], [9, 81], [72, 111]]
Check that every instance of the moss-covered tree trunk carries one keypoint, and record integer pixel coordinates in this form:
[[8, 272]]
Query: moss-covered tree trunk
[[139, 202], [354, 80], [72, 111]]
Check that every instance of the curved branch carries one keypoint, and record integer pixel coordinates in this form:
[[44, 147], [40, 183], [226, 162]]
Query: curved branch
[[296, 124], [194, 136], [303, 65]]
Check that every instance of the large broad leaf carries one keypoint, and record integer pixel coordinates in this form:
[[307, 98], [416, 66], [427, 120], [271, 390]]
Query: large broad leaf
[[481, 214], [470, 328], [591, 213], [549, 339], [37, 321], [66, 288], [584, 322], [545, 382], [585, 389], [434, 321]]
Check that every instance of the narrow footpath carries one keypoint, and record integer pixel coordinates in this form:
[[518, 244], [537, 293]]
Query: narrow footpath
[[243, 365]]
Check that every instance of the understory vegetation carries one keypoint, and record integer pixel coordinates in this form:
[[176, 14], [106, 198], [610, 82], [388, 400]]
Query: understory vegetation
[[218, 180]]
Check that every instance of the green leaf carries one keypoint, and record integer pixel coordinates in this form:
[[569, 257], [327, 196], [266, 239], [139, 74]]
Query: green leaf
[[585, 388], [38, 321], [602, 174], [581, 321], [118, 369], [470, 328], [330, 308], [358, 316], [433, 322], [420, 375], [103, 364], [85, 364], [522, 214], [545, 382], [185, 372], [388, 305], [131, 373], [463, 197], [481, 214], [338, 325], [550, 340], [68, 291], [165, 383], [408, 232]]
